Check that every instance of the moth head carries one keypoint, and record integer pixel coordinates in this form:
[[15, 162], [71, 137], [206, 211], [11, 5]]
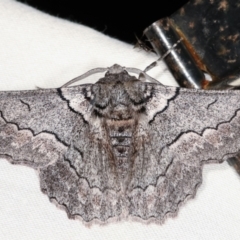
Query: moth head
[[119, 96]]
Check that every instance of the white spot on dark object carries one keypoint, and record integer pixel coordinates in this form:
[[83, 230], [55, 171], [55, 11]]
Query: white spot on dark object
[[223, 5]]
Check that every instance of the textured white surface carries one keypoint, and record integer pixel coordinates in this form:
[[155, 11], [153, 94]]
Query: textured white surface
[[39, 50]]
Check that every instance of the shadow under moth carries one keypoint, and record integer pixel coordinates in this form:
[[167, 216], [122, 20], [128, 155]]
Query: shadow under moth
[[121, 148]]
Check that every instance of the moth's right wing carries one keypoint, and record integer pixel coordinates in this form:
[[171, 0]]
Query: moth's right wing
[[52, 131]]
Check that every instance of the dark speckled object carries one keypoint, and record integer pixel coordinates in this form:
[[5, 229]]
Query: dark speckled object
[[211, 33]]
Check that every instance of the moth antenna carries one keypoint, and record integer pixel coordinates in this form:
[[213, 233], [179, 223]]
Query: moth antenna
[[142, 74], [154, 64], [85, 75]]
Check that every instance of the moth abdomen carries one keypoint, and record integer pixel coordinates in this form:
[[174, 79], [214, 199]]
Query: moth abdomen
[[121, 140], [120, 135]]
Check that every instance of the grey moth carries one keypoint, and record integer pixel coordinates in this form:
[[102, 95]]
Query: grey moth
[[122, 148]]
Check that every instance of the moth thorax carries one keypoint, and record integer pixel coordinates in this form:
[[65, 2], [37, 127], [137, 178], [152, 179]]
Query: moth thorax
[[120, 112]]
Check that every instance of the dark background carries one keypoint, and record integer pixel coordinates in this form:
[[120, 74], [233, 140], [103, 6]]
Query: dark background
[[116, 20]]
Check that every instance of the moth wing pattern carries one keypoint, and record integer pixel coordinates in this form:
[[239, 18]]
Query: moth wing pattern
[[174, 132], [193, 128], [42, 130]]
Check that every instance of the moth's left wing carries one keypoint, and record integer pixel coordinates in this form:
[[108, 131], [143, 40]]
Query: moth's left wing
[[185, 129]]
